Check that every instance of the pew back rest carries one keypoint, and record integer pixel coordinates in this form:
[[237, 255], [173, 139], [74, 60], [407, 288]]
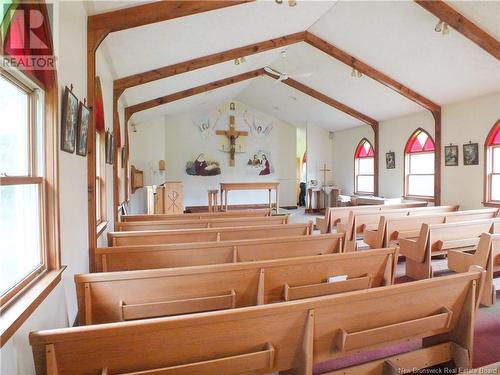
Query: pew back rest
[[335, 215], [201, 223], [320, 329], [102, 295], [198, 215], [410, 226], [124, 258], [359, 221], [460, 235], [206, 234]]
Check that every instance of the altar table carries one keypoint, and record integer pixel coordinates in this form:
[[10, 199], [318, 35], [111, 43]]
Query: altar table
[[225, 187]]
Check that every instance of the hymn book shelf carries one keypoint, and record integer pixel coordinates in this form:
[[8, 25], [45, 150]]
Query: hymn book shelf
[[123, 258], [304, 333]]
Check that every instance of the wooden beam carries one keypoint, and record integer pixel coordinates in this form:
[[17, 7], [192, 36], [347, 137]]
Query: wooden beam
[[327, 100], [437, 157], [202, 62], [370, 72], [460, 23], [129, 111], [158, 11]]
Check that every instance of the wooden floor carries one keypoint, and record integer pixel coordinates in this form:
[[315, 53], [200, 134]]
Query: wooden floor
[[487, 333]]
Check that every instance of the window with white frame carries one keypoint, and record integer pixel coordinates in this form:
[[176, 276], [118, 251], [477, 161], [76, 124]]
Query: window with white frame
[[364, 168], [492, 182], [419, 165], [23, 253]]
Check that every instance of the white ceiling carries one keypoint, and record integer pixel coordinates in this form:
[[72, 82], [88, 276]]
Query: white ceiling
[[396, 37]]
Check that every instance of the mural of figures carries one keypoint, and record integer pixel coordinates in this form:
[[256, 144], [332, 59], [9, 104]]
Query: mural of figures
[[257, 126], [260, 164], [202, 167], [207, 125]]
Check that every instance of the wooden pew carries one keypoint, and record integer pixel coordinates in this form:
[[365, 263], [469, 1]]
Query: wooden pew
[[201, 223], [335, 215], [438, 239], [361, 221], [207, 234], [198, 215], [123, 258], [391, 229], [487, 256], [117, 296], [278, 337]]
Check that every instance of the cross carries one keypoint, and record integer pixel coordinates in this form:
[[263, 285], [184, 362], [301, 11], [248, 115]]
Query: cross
[[232, 134], [324, 170]]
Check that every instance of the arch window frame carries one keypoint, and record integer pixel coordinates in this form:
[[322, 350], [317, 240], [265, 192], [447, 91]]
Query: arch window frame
[[492, 166], [362, 154], [414, 150]]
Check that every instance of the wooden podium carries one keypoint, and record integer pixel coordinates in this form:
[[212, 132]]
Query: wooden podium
[[169, 198]]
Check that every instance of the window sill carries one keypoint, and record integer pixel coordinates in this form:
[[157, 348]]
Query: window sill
[[101, 227], [418, 198], [491, 204], [26, 303]]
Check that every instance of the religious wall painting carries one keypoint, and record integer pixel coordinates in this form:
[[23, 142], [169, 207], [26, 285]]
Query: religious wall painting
[[390, 160], [206, 125], [451, 156], [69, 118], [260, 163], [258, 127], [471, 153], [201, 165], [82, 130]]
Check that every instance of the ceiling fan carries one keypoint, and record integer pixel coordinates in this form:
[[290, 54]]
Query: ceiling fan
[[281, 76]]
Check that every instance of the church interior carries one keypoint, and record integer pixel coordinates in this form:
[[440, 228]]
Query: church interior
[[249, 187]]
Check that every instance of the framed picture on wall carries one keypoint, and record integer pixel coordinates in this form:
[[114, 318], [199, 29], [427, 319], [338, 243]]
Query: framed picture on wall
[[123, 157], [390, 160], [109, 147], [451, 156], [82, 130], [68, 121], [471, 154]]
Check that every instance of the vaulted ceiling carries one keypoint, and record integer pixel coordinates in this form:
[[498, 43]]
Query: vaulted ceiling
[[395, 37]]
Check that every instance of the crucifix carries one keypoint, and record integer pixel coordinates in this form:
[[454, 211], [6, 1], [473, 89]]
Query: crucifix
[[232, 134], [324, 170]]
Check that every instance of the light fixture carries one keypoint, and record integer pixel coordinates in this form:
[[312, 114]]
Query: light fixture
[[239, 60], [442, 27], [134, 129], [291, 3], [356, 73]]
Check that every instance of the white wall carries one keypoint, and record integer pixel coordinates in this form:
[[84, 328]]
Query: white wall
[[470, 120], [59, 308], [183, 142], [393, 137], [319, 153], [463, 122], [344, 147]]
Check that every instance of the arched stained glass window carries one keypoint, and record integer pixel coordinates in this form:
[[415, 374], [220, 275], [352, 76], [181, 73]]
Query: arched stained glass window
[[364, 167], [492, 183], [419, 165]]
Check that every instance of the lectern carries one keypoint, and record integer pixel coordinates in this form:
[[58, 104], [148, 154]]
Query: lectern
[[169, 198]]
